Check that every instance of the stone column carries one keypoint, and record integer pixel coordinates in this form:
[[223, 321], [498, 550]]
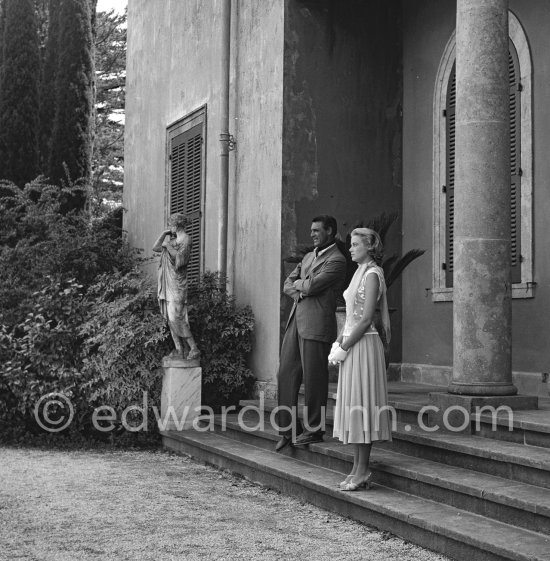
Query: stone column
[[482, 308]]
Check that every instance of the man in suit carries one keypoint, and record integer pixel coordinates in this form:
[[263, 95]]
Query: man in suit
[[311, 328]]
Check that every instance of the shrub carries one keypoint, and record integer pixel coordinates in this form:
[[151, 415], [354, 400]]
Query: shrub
[[38, 241], [41, 354], [48, 261], [125, 338], [223, 332], [79, 317], [101, 347]]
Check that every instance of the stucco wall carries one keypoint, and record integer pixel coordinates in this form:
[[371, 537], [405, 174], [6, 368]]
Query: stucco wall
[[342, 121], [256, 184], [173, 69], [166, 81], [427, 326]]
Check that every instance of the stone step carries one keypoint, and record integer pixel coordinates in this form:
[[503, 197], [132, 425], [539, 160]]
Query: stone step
[[407, 400], [404, 390], [406, 410], [440, 527], [518, 503], [509, 460], [517, 462], [399, 392], [528, 427]]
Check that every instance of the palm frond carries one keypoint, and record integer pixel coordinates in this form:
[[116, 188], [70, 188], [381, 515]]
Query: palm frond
[[382, 223], [401, 263], [387, 264]]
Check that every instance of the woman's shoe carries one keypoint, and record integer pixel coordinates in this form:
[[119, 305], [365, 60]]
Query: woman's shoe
[[351, 486], [346, 480]]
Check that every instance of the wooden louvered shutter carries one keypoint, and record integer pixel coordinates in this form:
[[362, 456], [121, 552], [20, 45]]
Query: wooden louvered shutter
[[515, 168], [515, 162], [186, 188], [450, 114]]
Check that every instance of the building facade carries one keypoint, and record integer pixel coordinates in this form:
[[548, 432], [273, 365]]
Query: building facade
[[255, 116]]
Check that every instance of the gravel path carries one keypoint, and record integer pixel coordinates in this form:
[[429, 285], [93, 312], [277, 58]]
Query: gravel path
[[153, 505]]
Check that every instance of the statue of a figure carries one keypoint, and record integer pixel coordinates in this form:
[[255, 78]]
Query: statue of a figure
[[174, 245]]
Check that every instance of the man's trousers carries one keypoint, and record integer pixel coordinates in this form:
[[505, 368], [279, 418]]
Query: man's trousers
[[307, 360]]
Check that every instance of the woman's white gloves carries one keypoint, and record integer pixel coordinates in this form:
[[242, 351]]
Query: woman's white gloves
[[337, 354]]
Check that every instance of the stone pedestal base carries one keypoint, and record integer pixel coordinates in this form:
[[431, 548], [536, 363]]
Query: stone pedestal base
[[180, 400], [452, 412], [490, 390]]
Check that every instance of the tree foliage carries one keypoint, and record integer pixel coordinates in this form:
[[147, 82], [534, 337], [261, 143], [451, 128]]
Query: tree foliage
[[71, 144], [49, 261], [2, 27], [124, 340], [19, 98], [110, 59], [42, 13], [81, 113], [38, 241], [48, 90], [223, 332]]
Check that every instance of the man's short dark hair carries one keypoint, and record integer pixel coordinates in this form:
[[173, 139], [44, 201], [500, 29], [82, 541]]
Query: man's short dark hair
[[328, 222]]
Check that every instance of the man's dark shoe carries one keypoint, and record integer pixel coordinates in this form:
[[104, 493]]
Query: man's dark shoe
[[283, 443], [304, 439]]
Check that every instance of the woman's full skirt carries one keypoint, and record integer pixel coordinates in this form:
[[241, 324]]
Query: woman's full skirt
[[362, 414]]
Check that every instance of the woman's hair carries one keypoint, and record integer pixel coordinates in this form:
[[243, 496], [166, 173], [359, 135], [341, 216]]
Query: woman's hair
[[179, 220], [372, 242]]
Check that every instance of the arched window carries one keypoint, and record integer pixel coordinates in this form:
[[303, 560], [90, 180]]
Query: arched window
[[520, 163]]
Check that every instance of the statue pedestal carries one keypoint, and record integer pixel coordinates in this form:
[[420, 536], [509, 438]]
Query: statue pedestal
[[180, 399]]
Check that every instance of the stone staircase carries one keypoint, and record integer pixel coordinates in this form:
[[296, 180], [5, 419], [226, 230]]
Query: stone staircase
[[481, 496]]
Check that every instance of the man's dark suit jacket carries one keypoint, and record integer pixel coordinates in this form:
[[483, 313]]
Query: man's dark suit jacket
[[319, 281]]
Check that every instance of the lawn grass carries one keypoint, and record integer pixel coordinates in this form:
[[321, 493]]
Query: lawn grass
[[153, 505]]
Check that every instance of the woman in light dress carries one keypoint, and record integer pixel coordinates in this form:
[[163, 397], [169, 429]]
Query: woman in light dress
[[361, 415]]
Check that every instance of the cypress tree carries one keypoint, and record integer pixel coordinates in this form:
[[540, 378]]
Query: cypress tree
[[71, 144], [2, 25], [48, 96], [19, 100], [2, 20]]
